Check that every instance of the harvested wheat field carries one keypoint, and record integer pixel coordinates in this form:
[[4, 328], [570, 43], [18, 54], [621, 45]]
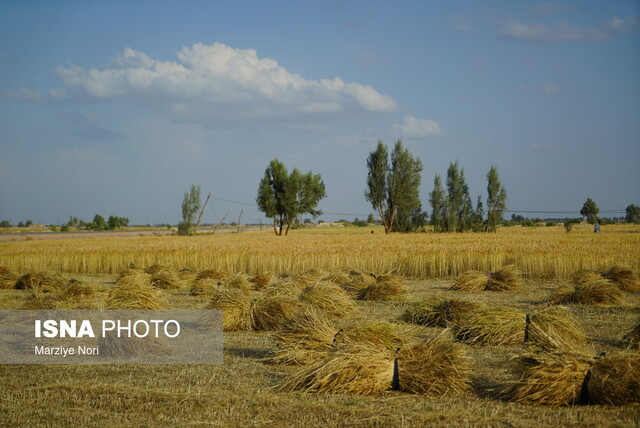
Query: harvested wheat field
[[304, 348]]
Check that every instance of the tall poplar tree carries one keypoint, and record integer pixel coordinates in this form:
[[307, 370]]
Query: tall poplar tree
[[496, 200]]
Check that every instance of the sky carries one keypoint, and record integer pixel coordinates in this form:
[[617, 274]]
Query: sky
[[117, 107]]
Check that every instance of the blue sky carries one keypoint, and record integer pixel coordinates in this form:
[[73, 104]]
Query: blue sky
[[117, 107]]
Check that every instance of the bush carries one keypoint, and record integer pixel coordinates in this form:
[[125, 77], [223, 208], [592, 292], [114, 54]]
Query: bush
[[551, 223], [529, 223]]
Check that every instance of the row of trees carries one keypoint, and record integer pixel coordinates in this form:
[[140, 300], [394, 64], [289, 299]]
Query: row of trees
[[392, 190], [98, 223]]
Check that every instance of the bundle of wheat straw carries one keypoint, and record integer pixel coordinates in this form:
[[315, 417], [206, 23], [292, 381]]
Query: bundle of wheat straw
[[441, 312]]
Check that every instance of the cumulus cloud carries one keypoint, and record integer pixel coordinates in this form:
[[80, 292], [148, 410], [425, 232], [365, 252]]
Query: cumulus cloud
[[213, 80], [414, 127], [566, 32]]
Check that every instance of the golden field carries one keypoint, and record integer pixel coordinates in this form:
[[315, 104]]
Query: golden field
[[541, 252]]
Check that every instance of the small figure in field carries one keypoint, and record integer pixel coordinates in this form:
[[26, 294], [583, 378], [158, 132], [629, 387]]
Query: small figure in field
[[596, 228], [372, 232]]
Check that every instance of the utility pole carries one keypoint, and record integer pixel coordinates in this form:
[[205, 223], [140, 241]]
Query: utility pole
[[202, 212], [239, 219]]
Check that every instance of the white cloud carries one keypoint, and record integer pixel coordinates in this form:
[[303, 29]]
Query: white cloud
[[418, 128], [567, 32], [211, 81], [546, 33], [23, 94]]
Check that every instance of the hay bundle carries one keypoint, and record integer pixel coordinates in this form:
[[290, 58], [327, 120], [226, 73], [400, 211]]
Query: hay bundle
[[571, 378], [284, 286], [507, 278], [236, 306], [215, 274], [154, 268], [374, 334], [615, 380], [43, 282], [261, 281], [164, 278], [305, 338], [584, 277], [131, 271], [551, 379], [75, 295], [435, 368], [441, 312], [203, 287], [624, 278], [309, 277], [238, 281], [597, 292], [332, 299], [353, 282], [187, 274], [135, 293], [385, 288], [8, 281], [493, 326], [554, 328], [4, 270], [632, 338], [134, 278], [271, 313], [471, 280], [363, 372]]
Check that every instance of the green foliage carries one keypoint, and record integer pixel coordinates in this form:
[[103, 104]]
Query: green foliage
[[115, 222], [371, 219], [64, 228], [477, 223], [529, 223], [284, 197], [590, 210], [359, 223], [568, 225], [633, 213], [458, 207], [98, 223], [496, 199], [551, 223], [190, 206], [392, 188], [437, 198], [376, 193], [5, 223]]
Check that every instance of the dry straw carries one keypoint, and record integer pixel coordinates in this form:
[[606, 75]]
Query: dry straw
[[305, 338], [330, 298], [111, 345], [554, 328], [598, 291], [43, 282], [572, 378], [441, 312], [433, 368], [632, 338], [164, 278], [215, 274], [493, 326], [204, 287], [353, 282], [384, 288], [271, 313], [7, 278], [261, 281], [74, 295], [135, 292], [507, 278], [624, 278], [236, 306]]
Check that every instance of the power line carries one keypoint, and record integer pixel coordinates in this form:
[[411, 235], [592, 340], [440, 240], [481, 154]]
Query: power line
[[506, 211]]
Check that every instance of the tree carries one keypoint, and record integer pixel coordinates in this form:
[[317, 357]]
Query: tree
[[392, 188], [590, 210], [376, 193], [437, 199], [371, 219], [117, 222], [633, 213], [5, 223], [458, 207], [496, 199], [190, 206], [98, 223], [477, 219], [284, 197]]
